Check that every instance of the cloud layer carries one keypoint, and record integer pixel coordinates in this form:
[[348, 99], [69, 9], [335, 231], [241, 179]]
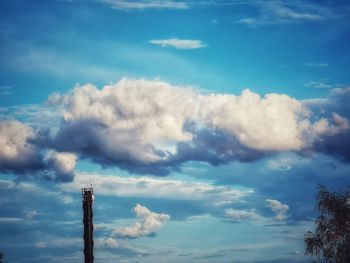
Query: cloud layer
[[148, 187]]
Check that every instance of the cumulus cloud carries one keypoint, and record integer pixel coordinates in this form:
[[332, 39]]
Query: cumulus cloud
[[278, 208], [17, 153], [149, 223], [20, 155], [152, 127], [179, 43], [236, 214]]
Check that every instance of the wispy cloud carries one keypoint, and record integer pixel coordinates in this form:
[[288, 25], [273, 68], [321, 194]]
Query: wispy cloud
[[319, 85], [179, 43], [146, 4], [37, 61], [157, 188], [316, 65], [5, 90], [285, 162], [277, 12]]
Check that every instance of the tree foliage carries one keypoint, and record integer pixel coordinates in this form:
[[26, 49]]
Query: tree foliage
[[331, 240]]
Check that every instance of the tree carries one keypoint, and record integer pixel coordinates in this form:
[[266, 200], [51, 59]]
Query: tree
[[331, 240]]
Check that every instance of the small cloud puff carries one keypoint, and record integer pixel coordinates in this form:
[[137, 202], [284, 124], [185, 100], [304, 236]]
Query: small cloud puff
[[149, 223], [278, 208]]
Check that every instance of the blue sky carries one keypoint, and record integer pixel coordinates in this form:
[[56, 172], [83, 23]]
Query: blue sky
[[205, 126]]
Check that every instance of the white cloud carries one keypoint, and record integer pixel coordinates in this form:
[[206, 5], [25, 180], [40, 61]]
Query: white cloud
[[278, 208], [16, 152], [236, 214], [146, 4], [13, 140], [136, 115], [157, 125], [275, 122], [157, 188], [149, 223], [179, 43]]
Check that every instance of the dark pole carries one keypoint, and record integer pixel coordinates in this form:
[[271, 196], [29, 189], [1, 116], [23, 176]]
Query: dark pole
[[88, 225]]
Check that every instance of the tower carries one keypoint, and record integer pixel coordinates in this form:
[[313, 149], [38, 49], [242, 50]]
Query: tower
[[88, 199]]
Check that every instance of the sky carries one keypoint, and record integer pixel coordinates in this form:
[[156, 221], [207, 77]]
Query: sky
[[206, 127]]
